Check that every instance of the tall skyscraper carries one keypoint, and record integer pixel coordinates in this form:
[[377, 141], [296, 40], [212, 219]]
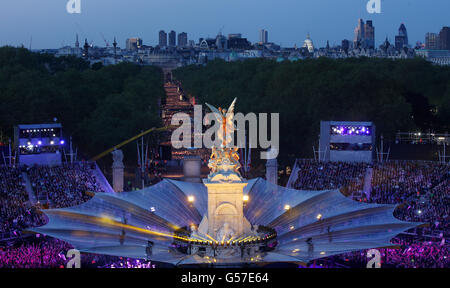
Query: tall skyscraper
[[444, 38], [77, 43], [359, 33], [162, 38], [182, 39], [172, 39], [263, 36], [364, 34], [432, 41], [401, 40], [403, 32], [369, 30], [133, 44]]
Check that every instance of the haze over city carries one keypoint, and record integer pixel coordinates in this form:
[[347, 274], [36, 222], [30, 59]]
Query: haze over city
[[46, 23]]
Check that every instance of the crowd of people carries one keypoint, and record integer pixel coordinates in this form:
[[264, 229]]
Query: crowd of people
[[43, 252], [421, 189], [16, 211], [47, 253], [410, 253], [313, 175], [396, 181], [64, 185]]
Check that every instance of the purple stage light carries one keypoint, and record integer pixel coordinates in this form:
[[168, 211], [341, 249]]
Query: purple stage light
[[351, 130], [62, 142]]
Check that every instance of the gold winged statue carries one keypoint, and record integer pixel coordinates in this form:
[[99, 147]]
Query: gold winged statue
[[225, 118], [224, 159]]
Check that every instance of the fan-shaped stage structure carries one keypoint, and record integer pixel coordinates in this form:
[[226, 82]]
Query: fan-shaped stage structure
[[226, 220], [308, 224]]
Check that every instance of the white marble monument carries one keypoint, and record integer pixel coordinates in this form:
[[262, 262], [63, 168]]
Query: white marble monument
[[225, 219]]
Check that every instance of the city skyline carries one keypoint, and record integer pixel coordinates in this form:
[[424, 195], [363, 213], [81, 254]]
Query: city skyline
[[48, 25]]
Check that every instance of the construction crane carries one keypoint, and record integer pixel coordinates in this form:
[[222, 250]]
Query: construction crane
[[103, 154], [104, 39]]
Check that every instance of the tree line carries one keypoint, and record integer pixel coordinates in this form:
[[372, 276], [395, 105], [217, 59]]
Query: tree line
[[397, 95], [103, 106], [98, 106]]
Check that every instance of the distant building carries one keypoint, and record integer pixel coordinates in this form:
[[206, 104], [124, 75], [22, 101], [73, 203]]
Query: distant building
[[221, 42], [172, 39], [263, 36], [133, 44], [364, 35], [440, 57], [182, 39], [369, 35], [308, 44], [444, 38], [345, 45], [162, 39], [235, 41], [234, 35], [432, 41], [401, 40], [359, 33], [209, 43], [69, 51], [77, 42]]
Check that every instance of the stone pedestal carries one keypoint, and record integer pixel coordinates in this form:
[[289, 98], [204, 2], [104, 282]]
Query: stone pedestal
[[272, 167], [117, 169], [226, 209], [118, 179], [272, 171], [192, 169]]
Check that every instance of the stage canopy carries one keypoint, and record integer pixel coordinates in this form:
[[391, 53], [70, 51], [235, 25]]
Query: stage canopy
[[309, 224]]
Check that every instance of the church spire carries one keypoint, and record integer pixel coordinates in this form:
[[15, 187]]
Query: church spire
[[77, 43]]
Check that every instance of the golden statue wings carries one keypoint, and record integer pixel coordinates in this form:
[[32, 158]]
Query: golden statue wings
[[225, 118]]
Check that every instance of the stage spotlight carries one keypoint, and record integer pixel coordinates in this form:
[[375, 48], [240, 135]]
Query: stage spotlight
[[245, 198], [287, 207], [191, 199]]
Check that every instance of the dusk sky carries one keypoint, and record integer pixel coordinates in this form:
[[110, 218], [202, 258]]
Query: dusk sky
[[288, 21]]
